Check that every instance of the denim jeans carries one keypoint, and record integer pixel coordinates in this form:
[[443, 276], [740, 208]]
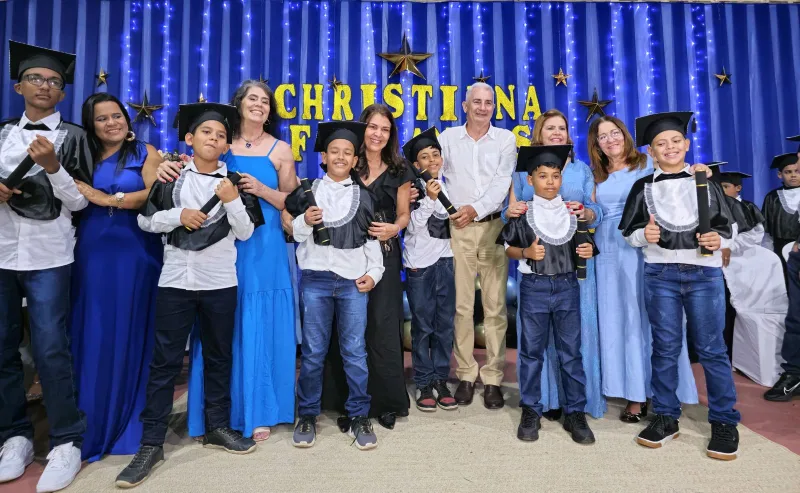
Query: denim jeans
[[47, 293], [791, 340], [176, 312], [325, 294], [432, 299], [544, 299], [671, 289]]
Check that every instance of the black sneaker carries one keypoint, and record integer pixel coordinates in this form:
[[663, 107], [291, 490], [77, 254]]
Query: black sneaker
[[575, 423], [444, 398], [147, 458], [661, 430], [426, 401], [787, 387], [529, 425], [724, 444], [230, 440]]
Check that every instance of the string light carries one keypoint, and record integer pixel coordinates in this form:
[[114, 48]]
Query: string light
[[695, 103], [166, 134], [572, 114]]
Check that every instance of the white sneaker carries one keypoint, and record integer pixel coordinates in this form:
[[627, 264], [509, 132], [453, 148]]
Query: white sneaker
[[15, 455], [63, 464]]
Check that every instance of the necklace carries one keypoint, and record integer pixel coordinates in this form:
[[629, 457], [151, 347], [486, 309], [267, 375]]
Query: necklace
[[249, 143]]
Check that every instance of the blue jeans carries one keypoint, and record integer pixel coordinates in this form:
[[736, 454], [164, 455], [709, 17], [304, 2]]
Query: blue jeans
[[671, 289], [546, 299], [326, 293], [432, 299], [47, 294], [791, 340]]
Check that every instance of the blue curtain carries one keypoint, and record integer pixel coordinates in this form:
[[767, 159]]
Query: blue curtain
[[646, 57]]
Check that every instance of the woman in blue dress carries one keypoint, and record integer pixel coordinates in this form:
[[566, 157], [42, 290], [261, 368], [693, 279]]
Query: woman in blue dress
[[625, 337], [114, 283], [577, 189]]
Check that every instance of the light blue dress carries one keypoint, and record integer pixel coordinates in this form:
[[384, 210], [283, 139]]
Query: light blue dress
[[625, 337], [577, 185]]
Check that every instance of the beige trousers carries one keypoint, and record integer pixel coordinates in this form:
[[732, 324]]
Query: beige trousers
[[475, 253]]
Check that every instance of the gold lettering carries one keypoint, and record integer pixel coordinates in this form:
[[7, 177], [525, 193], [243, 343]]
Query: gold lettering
[[280, 101], [531, 105], [341, 103], [422, 101], [522, 133], [312, 102], [368, 94], [505, 102], [392, 96], [448, 103], [299, 134]]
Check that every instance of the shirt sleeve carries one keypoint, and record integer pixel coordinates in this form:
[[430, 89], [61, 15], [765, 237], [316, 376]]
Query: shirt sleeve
[[746, 241], [375, 268], [637, 239], [161, 221], [300, 230], [241, 224], [497, 190], [588, 191], [65, 190], [420, 216]]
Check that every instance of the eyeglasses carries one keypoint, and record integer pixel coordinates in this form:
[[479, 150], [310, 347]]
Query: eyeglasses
[[613, 135], [37, 80]]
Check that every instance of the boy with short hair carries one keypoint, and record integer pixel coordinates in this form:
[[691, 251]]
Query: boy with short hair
[[780, 209]]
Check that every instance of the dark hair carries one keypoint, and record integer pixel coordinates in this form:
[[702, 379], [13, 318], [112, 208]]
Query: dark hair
[[597, 158], [129, 147], [272, 125], [389, 154]]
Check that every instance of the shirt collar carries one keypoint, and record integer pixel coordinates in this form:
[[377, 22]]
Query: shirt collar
[[344, 183], [492, 133], [222, 170], [548, 204], [659, 172], [51, 121]]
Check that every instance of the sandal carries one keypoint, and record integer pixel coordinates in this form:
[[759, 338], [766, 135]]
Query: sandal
[[261, 434], [629, 417]]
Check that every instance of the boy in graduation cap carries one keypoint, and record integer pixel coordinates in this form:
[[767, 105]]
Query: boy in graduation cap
[[40, 156], [337, 274], [661, 217], [780, 209], [198, 281], [431, 287], [544, 241]]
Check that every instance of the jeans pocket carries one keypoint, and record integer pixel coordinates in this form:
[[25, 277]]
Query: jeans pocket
[[710, 273], [415, 273], [654, 270]]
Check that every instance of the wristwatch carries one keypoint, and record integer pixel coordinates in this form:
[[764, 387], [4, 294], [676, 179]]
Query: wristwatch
[[120, 199]]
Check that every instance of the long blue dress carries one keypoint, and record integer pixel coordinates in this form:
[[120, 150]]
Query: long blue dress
[[112, 322], [264, 344], [625, 337], [577, 185]]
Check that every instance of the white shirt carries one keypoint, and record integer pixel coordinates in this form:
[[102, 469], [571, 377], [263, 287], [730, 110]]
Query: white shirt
[[478, 173], [335, 199], [30, 244], [422, 250], [213, 267]]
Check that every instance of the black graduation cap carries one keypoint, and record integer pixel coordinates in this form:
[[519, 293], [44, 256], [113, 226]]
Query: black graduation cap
[[796, 138], [327, 132], [420, 142], [783, 160], [648, 127], [193, 114], [22, 57], [531, 157], [733, 177]]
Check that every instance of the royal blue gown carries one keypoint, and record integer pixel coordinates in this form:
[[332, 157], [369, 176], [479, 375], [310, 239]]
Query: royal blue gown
[[112, 322], [264, 343]]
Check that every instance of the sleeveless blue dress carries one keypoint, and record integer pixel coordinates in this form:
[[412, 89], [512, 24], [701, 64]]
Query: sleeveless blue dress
[[112, 322], [264, 344]]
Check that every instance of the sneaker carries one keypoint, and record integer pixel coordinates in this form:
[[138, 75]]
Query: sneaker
[[529, 425], [444, 398], [230, 440], [575, 423], [662, 429], [63, 464], [361, 433], [787, 387], [305, 432], [15, 455], [146, 459], [426, 401], [724, 444]]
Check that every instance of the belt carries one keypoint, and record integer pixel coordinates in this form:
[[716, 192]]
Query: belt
[[490, 217]]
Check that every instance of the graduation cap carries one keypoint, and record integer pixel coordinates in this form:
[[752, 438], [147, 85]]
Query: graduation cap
[[648, 127], [733, 177], [715, 177], [531, 157], [327, 132], [24, 57], [191, 115], [783, 160], [796, 138], [420, 142]]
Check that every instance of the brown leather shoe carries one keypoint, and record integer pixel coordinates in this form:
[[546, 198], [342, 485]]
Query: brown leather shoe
[[492, 397], [464, 393]]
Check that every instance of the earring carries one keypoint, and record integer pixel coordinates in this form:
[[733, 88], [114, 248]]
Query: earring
[[130, 136]]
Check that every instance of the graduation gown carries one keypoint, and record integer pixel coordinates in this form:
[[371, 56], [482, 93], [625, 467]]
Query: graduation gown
[[439, 222], [782, 219]]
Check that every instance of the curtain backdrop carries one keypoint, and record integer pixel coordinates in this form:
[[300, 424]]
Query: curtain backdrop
[[645, 57]]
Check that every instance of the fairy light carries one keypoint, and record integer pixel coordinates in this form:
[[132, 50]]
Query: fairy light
[[695, 104], [166, 81], [572, 113], [204, 49]]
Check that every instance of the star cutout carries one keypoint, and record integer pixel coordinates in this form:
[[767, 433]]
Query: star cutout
[[102, 78], [262, 79], [405, 60], [723, 77], [335, 83], [145, 109], [202, 99], [561, 77], [482, 78], [595, 106]]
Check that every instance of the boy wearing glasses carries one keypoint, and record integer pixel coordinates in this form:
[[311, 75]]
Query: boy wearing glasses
[[36, 242]]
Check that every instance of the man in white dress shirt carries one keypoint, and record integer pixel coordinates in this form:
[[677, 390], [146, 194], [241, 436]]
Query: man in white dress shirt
[[478, 161]]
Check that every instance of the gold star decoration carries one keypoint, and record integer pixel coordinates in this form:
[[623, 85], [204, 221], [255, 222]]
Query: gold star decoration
[[202, 99], [262, 79], [335, 83], [482, 78], [595, 105], [102, 78], [561, 77], [723, 77], [145, 109], [405, 60]]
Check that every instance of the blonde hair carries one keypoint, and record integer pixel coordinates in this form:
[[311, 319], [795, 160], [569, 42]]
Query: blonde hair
[[538, 127]]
